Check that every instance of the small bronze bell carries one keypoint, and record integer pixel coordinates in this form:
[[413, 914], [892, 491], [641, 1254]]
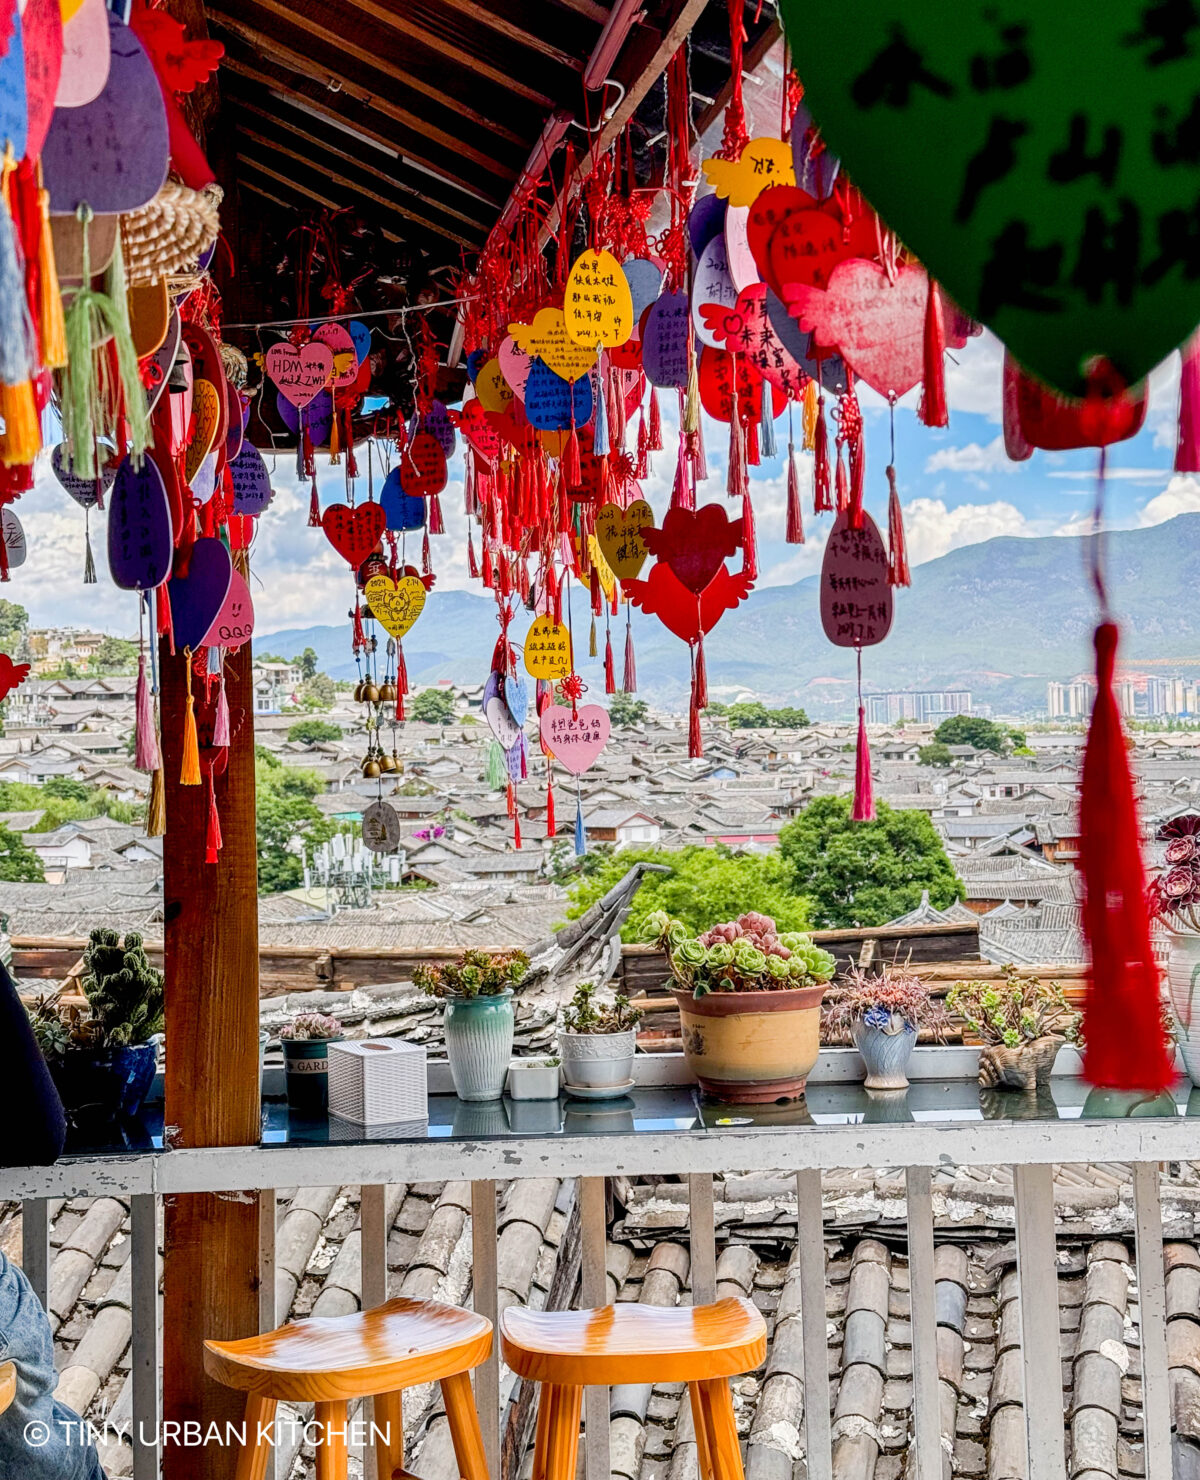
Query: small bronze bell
[[371, 767], [359, 687], [387, 693], [386, 763], [370, 694]]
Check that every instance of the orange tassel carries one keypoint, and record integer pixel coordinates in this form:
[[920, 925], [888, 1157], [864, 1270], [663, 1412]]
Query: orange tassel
[[189, 771]]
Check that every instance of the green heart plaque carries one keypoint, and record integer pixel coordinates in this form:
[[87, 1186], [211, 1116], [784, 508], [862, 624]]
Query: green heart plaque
[[1041, 157]]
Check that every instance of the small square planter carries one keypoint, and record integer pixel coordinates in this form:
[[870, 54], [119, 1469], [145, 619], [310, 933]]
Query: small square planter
[[532, 1079]]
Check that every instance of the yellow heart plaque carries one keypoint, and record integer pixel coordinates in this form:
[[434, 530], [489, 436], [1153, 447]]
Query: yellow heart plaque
[[548, 649], [395, 605], [619, 532]]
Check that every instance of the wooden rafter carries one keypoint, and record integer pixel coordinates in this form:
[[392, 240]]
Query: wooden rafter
[[492, 16], [321, 72], [754, 56], [325, 144], [289, 182], [407, 77], [396, 21], [389, 204]]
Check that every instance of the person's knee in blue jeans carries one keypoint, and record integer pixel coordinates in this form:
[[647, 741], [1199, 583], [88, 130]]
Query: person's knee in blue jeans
[[40, 1438]]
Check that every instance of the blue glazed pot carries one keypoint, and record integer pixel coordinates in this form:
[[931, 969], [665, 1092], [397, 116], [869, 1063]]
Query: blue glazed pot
[[886, 1048], [97, 1087], [479, 1040], [306, 1061]]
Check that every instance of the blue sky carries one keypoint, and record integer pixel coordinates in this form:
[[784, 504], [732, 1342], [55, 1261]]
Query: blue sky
[[956, 485]]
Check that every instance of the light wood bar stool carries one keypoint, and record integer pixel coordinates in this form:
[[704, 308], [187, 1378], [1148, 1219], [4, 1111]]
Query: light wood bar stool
[[328, 1360], [568, 1350], [8, 1385]]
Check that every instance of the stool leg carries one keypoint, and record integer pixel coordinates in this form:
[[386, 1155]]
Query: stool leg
[[562, 1431], [721, 1429], [389, 1419], [700, 1424], [463, 1418], [542, 1435], [331, 1451], [252, 1461]]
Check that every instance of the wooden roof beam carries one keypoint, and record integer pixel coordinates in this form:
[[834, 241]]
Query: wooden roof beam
[[298, 189], [372, 59], [323, 143], [491, 15], [319, 72], [387, 16]]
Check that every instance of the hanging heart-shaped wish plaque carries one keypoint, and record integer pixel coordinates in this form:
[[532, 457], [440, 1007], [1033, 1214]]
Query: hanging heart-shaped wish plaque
[[548, 649], [345, 357], [251, 481], [1039, 159], [619, 532], [299, 374], [353, 533], [140, 541], [856, 599], [85, 491], [395, 605], [500, 719], [198, 597], [598, 306], [402, 510], [574, 740], [234, 623], [695, 543], [13, 535]]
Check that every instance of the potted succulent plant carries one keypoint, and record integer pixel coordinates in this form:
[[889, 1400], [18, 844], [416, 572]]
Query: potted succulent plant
[[102, 1059], [597, 1042], [534, 1078], [477, 990], [882, 1016], [1021, 1023], [306, 1041], [1174, 895], [749, 1004]]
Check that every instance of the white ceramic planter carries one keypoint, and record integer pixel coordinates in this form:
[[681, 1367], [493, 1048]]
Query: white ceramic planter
[[1183, 983], [597, 1060], [532, 1079]]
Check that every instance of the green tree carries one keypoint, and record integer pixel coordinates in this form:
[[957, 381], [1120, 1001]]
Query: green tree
[[624, 710], [308, 663], [754, 715], [116, 655], [789, 718], [865, 873], [18, 863], [937, 753], [971, 729], [703, 887], [67, 788], [318, 692], [748, 716], [313, 731], [14, 620], [284, 813], [432, 707]]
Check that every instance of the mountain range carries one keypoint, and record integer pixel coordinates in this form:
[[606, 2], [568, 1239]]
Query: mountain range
[[999, 618]]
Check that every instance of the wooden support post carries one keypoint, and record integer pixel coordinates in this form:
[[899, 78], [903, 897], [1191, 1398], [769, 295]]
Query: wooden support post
[[211, 1241]]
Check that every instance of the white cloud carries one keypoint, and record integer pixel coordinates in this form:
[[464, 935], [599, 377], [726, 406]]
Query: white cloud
[[932, 529], [1181, 496], [972, 459]]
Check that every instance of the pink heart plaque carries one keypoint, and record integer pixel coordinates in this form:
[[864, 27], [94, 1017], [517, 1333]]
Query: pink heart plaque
[[300, 374], [337, 338], [574, 740], [876, 323]]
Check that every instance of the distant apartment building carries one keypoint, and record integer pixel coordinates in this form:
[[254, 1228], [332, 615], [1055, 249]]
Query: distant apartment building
[[51, 647], [926, 707], [1070, 700]]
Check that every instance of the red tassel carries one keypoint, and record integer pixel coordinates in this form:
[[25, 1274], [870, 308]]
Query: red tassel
[[426, 561], [655, 443], [306, 451], [1125, 1047], [213, 835], [351, 460], [841, 483], [683, 495], [934, 412], [314, 508], [695, 739], [864, 800], [629, 682], [749, 539], [486, 572], [571, 470], [511, 800], [551, 822], [610, 673], [898, 572], [643, 449], [359, 639], [1187, 448], [437, 525], [595, 592], [822, 500], [401, 670], [472, 563], [753, 457], [517, 833], [700, 677], [737, 478], [795, 517]]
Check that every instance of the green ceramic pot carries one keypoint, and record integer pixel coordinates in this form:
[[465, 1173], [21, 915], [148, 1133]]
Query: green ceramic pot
[[306, 1062], [479, 1040]]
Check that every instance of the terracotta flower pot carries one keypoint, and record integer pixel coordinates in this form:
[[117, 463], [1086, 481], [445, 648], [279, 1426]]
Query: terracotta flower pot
[[751, 1047]]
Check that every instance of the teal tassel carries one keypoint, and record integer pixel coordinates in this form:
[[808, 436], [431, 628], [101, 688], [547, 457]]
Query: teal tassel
[[17, 357], [497, 768], [580, 830], [766, 444], [600, 432]]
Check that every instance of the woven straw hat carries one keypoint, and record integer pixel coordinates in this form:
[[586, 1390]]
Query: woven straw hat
[[167, 237]]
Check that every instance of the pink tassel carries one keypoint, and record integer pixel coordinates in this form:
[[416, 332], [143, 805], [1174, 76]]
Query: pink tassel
[[655, 444], [610, 674], [737, 477], [795, 517], [841, 483], [683, 495], [699, 456], [437, 525], [146, 756], [426, 560], [472, 563], [1187, 449], [898, 572], [864, 800], [221, 722], [213, 841], [629, 682], [551, 821]]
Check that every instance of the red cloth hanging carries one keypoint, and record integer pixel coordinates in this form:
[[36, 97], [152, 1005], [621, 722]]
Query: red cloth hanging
[[1122, 1025]]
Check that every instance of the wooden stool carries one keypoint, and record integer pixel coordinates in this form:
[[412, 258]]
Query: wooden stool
[[8, 1385], [568, 1350], [328, 1360]]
